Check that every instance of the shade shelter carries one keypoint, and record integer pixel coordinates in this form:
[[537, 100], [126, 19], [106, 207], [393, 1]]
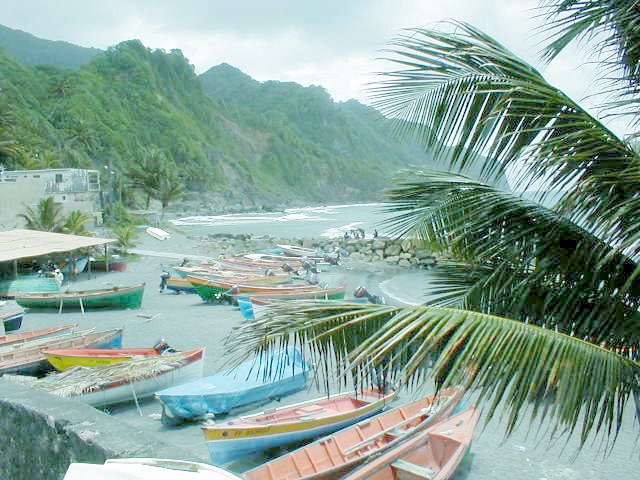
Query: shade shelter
[[21, 243]]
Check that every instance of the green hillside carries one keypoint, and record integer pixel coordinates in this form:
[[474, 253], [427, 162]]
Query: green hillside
[[31, 50]]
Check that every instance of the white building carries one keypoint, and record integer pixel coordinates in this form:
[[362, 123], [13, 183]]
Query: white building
[[71, 188]]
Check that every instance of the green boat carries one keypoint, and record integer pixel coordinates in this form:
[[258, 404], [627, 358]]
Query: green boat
[[28, 284], [116, 297]]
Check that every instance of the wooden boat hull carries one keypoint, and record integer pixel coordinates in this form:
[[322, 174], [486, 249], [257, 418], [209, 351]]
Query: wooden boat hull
[[212, 290], [334, 455], [116, 298], [27, 357], [114, 266], [180, 285], [63, 359], [158, 233], [253, 382], [334, 293], [13, 338], [433, 454], [228, 441]]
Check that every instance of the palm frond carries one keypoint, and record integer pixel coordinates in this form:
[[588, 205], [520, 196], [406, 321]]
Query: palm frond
[[504, 361], [521, 259], [612, 26], [464, 89]]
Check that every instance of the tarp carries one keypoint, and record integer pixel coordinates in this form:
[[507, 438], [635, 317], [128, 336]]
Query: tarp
[[17, 244], [255, 381]]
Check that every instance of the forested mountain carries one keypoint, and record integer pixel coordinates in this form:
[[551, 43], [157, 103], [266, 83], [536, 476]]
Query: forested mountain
[[31, 50], [234, 142]]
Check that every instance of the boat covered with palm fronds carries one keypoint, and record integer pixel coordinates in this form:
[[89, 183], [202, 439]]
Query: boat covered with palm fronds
[[36, 283], [336, 454], [27, 357], [114, 297], [12, 338], [125, 381], [254, 381], [433, 454], [236, 438]]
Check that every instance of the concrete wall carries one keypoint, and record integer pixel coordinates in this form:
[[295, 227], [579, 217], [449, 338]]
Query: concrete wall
[[42, 434]]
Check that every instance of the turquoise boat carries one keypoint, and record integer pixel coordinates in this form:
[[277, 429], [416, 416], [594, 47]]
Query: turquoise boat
[[28, 284], [253, 382]]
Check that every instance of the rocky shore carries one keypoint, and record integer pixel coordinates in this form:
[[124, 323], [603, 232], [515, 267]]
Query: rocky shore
[[400, 252]]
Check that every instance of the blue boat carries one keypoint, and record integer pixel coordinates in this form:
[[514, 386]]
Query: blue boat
[[255, 381], [11, 316], [246, 307]]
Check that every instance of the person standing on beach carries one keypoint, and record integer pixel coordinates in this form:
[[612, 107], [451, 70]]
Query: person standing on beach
[[164, 276]]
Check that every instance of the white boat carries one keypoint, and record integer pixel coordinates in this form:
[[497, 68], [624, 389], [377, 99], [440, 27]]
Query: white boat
[[147, 469], [158, 233]]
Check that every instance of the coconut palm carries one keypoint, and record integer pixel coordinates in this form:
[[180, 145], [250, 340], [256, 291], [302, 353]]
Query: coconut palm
[[46, 216], [537, 303], [75, 223]]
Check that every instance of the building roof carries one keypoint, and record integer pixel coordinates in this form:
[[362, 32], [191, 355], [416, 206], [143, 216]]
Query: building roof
[[16, 244]]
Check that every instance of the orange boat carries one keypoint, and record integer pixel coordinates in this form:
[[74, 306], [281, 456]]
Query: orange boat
[[431, 455], [333, 456], [10, 338]]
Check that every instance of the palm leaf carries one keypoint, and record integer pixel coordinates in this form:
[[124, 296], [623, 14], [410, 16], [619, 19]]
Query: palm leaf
[[504, 361], [466, 90]]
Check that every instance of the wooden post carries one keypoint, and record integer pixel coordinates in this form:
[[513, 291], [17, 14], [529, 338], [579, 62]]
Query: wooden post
[[15, 269], [106, 257]]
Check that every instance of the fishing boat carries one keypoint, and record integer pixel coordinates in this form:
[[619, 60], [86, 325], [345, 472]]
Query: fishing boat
[[298, 251], [334, 455], [255, 381], [158, 233], [28, 283], [26, 357], [65, 358], [34, 334], [147, 469], [115, 297], [218, 290], [75, 266], [233, 439], [115, 264], [124, 381], [11, 316], [431, 455], [180, 285], [319, 293]]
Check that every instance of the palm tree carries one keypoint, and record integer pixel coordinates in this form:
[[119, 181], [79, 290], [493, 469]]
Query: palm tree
[[75, 223], [47, 216], [536, 303], [169, 188]]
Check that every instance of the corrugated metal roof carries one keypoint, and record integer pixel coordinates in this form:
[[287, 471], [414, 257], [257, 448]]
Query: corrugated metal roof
[[16, 244]]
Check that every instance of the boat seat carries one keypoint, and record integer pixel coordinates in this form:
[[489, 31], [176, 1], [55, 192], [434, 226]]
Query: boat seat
[[410, 471]]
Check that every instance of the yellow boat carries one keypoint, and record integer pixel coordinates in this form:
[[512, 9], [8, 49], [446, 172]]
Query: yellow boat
[[66, 358]]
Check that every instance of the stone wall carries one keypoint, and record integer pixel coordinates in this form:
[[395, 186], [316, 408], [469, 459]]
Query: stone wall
[[42, 434], [402, 252]]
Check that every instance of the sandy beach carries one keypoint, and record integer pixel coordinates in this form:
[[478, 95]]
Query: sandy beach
[[183, 320]]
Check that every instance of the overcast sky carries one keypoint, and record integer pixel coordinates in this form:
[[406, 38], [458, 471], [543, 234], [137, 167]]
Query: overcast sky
[[330, 43]]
